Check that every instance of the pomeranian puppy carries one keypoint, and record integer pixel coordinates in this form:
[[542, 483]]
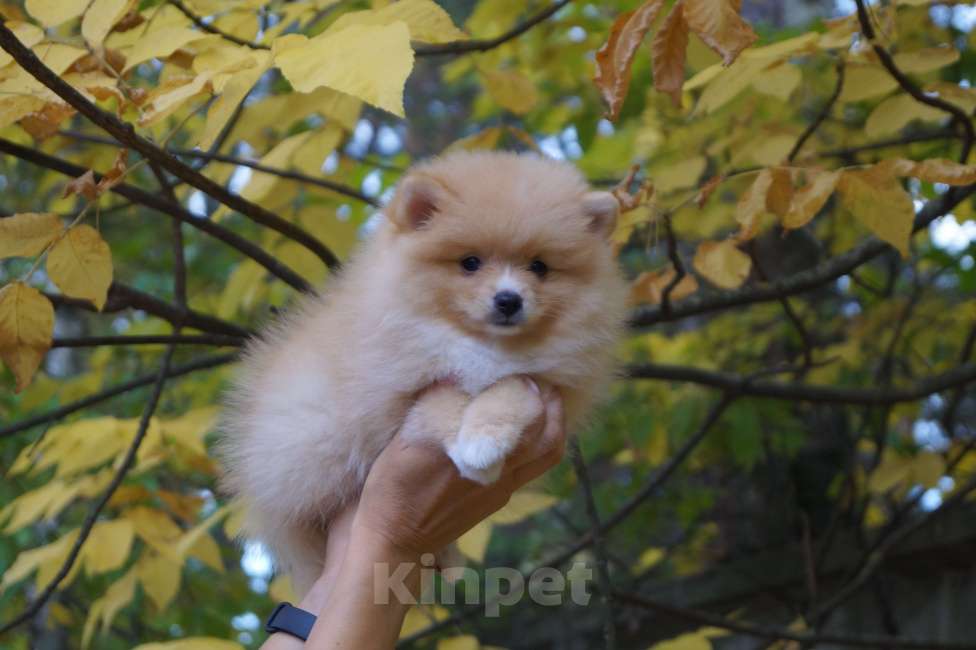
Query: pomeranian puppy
[[488, 267]]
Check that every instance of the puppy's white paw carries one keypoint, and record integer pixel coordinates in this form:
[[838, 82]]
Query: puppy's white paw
[[479, 455]]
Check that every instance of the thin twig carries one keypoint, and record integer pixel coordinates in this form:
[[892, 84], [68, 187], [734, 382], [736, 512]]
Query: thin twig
[[35, 606], [114, 391], [483, 45], [821, 116], [210, 29], [599, 549], [126, 135], [218, 340]]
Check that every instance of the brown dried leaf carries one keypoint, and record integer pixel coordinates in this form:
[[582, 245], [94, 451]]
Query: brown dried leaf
[[780, 193], [810, 198], [114, 175], [668, 54], [722, 263], [708, 189], [130, 20], [718, 24], [614, 59], [649, 286], [84, 185], [44, 123], [752, 205]]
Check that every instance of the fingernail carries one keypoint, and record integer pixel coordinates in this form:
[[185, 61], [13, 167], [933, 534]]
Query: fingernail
[[533, 385]]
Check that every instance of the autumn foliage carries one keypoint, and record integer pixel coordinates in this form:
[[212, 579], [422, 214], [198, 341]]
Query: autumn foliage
[[797, 224]]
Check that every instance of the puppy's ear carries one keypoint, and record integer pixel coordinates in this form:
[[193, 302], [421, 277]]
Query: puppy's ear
[[602, 209], [417, 199]]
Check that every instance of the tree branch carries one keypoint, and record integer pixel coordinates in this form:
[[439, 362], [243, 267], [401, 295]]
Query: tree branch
[[821, 116], [334, 186], [747, 386], [210, 29], [126, 135], [165, 206], [147, 412], [114, 391], [599, 550], [482, 45], [780, 634], [958, 115], [122, 297], [799, 282], [219, 340]]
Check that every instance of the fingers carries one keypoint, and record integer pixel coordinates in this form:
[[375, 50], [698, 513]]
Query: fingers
[[543, 444]]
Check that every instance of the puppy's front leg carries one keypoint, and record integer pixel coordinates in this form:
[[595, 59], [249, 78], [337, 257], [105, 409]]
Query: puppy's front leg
[[491, 425], [436, 415]]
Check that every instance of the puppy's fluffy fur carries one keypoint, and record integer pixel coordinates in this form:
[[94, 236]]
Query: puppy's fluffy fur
[[326, 387]]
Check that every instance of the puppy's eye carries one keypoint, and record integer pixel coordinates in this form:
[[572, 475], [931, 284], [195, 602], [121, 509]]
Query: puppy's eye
[[471, 263], [539, 268]]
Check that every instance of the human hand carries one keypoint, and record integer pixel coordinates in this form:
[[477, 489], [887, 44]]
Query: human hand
[[416, 500]]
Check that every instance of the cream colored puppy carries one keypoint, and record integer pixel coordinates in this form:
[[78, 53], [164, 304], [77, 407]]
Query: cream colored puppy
[[489, 267]]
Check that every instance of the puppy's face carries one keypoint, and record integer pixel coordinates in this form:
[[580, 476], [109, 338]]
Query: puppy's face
[[499, 265]]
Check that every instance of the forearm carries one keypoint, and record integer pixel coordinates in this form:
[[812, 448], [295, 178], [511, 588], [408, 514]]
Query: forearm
[[351, 612]]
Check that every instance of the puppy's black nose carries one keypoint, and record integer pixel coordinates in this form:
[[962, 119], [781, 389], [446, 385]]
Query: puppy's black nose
[[508, 303]]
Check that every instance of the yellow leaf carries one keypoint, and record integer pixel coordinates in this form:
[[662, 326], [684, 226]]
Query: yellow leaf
[[233, 94], [52, 13], [310, 157], [928, 468], [677, 175], [427, 22], [752, 204], [614, 58], [926, 59], [28, 233], [27, 33], [722, 264], [879, 201], [419, 618], [26, 327], [466, 642], [171, 95], [156, 529], [371, 62], [28, 561], [44, 502], [649, 558], [303, 261], [245, 287], [808, 200], [107, 547], [119, 594], [474, 542], [522, 505], [80, 263], [192, 643], [773, 149], [668, 54], [864, 81], [100, 17], [649, 286], [191, 428], [779, 81], [934, 170], [895, 113], [690, 641], [512, 90], [718, 24], [281, 590], [261, 184], [160, 578], [726, 86], [206, 550], [160, 43]]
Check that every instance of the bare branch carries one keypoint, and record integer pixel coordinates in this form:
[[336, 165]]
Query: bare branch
[[483, 45], [748, 386], [334, 186], [164, 205], [127, 136], [821, 116], [122, 297], [812, 278], [35, 606], [210, 29], [114, 391], [781, 634], [599, 550], [218, 340], [958, 115]]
